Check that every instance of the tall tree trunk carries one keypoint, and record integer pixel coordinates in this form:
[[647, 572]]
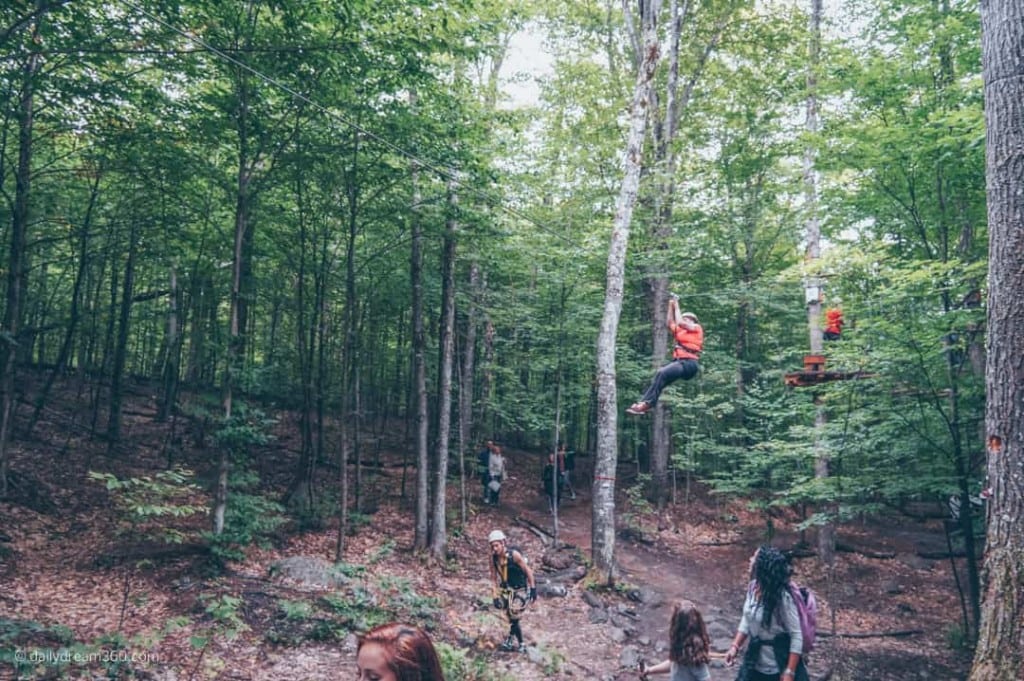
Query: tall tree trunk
[[419, 372], [603, 490], [74, 314], [343, 454], [961, 459], [350, 348], [236, 342], [349, 384], [961, 465], [665, 159], [322, 278], [822, 462], [121, 346], [172, 353], [439, 527], [466, 386], [113, 240], [665, 164], [200, 293], [16, 255], [300, 494], [487, 379], [999, 655]]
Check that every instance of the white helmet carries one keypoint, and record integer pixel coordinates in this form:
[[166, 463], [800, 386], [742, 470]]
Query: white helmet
[[690, 315], [496, 535]]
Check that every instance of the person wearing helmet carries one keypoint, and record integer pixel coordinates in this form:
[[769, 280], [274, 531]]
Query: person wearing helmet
[[514, 586], [689, 338]]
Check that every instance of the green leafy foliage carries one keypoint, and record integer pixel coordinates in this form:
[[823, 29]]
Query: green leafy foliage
[[150, 504], [35, 650], [457, 664], [251, 517]]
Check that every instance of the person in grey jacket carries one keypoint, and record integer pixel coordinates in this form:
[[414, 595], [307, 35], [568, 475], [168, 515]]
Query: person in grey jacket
[[770, 622], [496, 474]]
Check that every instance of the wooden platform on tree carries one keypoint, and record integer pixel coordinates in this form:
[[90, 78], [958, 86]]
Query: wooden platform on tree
[[814, 373]]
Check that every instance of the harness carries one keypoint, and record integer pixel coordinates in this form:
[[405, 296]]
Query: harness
[[514, 593], [515, 601], [518, 577], [692, 351]]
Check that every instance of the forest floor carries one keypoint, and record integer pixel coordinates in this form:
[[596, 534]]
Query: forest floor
[[78, 600]]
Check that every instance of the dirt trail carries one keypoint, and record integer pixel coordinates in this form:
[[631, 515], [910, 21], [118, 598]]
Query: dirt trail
[[660, 569], [702, 555]]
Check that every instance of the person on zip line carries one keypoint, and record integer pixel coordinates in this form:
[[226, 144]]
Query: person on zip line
[[689, 337], [514, 586]]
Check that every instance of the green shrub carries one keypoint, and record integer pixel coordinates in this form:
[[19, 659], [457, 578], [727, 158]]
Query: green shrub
[[457, 664], [250, 518]]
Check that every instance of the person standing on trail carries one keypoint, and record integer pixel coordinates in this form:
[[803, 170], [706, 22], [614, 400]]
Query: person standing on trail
[[495, 474], [689, 337], [397, 652], [565, 465], [552, 484], [689, 647], [514, 586], [483, 468], [771, 622]]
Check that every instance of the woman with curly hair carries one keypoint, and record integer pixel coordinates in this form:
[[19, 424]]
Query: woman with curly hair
[[397, 652], [771, 622], [689, 648]]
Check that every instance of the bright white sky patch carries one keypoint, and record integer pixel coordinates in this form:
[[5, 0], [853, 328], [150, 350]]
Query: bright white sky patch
[[526, 63]]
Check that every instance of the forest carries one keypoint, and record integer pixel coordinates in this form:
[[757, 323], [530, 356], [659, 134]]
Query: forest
[[276, 269]]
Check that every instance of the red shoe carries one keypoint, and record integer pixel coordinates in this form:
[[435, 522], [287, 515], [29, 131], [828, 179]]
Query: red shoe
[[638, 408]]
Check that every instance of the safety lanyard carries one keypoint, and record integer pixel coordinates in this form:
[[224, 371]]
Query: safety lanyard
[[502, 566]]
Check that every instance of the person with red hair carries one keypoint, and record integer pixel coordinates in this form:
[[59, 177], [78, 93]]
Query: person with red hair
[[397, 652]]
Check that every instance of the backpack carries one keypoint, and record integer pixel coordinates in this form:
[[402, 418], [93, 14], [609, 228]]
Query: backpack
[[807, 609]]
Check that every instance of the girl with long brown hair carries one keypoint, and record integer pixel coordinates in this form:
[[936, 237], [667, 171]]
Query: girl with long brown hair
[[689, 647]]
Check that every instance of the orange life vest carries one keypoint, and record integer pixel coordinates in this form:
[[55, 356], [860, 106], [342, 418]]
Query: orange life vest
[[689, 342]]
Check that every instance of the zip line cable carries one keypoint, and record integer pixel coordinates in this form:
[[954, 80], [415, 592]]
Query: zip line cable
[[447, 174]]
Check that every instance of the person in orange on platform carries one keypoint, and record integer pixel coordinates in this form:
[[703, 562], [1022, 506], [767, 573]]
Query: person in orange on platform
[[833, 324], [689, 337]]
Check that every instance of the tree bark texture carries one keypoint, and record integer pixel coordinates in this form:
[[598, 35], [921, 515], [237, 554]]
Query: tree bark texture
[[16, 255], [665, 162], [1000, 651], [121, 347], [466, 385], [823, 458], [419, 372], [74, 314], [439, 527], [169, 368], [603, 489]]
